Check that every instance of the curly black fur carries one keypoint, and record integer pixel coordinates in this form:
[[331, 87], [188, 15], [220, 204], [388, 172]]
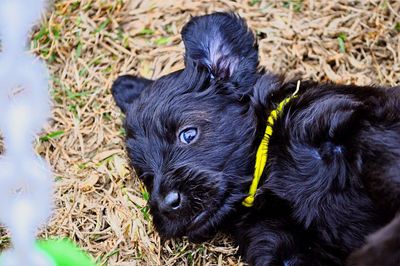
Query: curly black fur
[[333, 171]]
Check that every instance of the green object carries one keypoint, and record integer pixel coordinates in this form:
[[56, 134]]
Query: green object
[[341, 39], [64, 253]]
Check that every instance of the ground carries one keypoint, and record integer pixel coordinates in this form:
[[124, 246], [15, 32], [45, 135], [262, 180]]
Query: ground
[[99, 203]]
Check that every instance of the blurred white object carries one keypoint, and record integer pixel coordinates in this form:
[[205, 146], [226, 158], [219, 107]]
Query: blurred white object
[[25, 179]]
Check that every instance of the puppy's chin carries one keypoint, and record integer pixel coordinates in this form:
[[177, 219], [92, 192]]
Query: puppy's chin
[[200, 227], [198, 230], [204, 226], [169, 226]]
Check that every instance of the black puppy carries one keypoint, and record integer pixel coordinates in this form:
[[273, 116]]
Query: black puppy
[[332, 152]]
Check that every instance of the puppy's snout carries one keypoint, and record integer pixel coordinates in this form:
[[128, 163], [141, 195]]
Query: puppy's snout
[[171, 202]]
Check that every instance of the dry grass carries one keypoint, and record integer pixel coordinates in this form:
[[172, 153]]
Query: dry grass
[[87, 44]]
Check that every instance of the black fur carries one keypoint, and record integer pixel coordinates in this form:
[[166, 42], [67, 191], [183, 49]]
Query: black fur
[[382, 247], [333, 171]]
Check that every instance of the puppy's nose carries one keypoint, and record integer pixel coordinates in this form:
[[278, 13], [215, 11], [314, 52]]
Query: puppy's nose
[[172, 201]]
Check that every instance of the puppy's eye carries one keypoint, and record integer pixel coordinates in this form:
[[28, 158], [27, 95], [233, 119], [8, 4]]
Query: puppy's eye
[[188, 135]]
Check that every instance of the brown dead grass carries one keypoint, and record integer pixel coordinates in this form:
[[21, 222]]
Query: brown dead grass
[[87, 44]]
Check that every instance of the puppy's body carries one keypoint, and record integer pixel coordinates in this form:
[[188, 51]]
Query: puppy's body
[[333, 166], [333, 170]]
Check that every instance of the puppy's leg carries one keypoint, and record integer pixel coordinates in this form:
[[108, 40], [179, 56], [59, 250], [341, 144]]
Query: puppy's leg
[[279, 241], [382, 248], [265, 242], [382, 181]]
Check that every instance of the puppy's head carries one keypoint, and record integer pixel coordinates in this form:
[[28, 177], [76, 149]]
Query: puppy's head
[[190, 134]]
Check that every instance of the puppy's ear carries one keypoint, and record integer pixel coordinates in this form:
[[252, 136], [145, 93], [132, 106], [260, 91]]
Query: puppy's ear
[[222, 43], [127, 88]]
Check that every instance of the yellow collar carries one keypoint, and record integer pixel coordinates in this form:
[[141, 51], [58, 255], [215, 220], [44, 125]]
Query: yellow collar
[[262, 151]]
